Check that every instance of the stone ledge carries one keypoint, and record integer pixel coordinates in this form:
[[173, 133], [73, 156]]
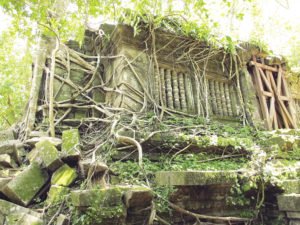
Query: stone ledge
[[195, 178], [290, 186], [289, 202], [293, 215]]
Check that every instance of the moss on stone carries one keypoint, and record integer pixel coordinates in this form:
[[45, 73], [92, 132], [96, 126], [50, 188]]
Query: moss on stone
[[23, 188], [100, 206], [56, 194], [70, 143], [22, 218], [195, 178], [48, 154], [64, 176]]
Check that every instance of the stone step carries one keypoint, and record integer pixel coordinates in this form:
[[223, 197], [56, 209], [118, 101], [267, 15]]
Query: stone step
[[196, 178], [290, 186], [289, 202]]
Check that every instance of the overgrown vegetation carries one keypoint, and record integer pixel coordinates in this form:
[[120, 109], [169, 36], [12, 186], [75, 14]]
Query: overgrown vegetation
[[188, 141], [196, 19]]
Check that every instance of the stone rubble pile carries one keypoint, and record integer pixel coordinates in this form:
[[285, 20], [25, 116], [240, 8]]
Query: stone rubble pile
[[46, 169]]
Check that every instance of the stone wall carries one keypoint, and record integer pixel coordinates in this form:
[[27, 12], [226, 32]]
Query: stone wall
[[184, 75]]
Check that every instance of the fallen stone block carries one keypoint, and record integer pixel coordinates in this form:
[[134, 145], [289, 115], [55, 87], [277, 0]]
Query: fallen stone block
[[22, 219], [289, 202], [14, 148], [64, 176], [48, 155], [4, 181], [7, 208], [6, 161], [89, 168], [32, 155], [138, 197], [53, 140], [70, 149], [6, 135], [56, 194], [24, 187], [62, 220], [195, 178], [102, 206], [94, 172], [4, 173]]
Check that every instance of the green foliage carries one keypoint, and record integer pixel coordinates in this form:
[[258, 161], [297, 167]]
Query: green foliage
[[15, 71]]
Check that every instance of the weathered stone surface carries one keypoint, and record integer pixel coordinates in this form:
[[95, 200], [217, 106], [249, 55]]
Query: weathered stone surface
[[48, 155], [7, 208], [32, 155], [104, 206], [293, 215], [38, 134], [7, 161], [64, 176], [23, 188], [94, 172], [22, 218], [90, 169], [62, 220], [195, 178], [285, 142], [2, 219], [138, 197], [13, 148], [290, 186], [289, 202], [105, 197], [4, 181], [56, 194], [4, 173], [294, 222], [71, 144], [6, 135], [53, 140]]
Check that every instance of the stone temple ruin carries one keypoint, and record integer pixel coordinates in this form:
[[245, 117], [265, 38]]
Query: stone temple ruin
[[93, 96]]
